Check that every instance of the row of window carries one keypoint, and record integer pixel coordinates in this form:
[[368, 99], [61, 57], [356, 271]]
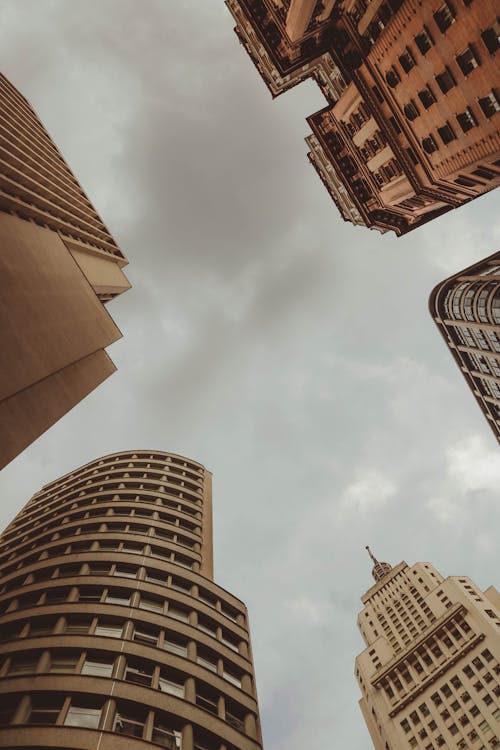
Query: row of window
[[113, 627], [107, 526], [138, 671], [183, 502], [118, 597], [154, 460], [123, 570], [427, 657], [93, 712], [489, 104]]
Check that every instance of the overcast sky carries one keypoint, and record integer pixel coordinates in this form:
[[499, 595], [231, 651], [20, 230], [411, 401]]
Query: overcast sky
[[291, 353]]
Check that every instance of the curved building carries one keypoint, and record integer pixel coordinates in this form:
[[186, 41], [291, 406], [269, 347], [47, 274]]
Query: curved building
[[466, 309], [113, 633]]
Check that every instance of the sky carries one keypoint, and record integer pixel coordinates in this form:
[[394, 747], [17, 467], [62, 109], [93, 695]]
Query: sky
[[289, 352]]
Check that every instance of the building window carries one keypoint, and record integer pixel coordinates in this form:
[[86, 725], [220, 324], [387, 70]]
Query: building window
[[468, 60], [146, 637], [109, 630], [171, 685], [83, 716], [444, 17], [467, 120], [45, 708], [490, 104], [178, 614], [406, 60], [97, 667], [23, 664], [491, 37], [118, 597], [447, 133], [164, 736], [392, 77], [446, 80], [151, 604], [139, 672], [63, 663], [175, 646], [429, 144], [427, 97], [411, 110], [424, 40], [129, 721]]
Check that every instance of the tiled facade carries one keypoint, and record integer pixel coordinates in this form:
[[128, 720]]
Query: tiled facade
[[114, 634], [430, 673], [466, 309], [410, 129], [58, 266]]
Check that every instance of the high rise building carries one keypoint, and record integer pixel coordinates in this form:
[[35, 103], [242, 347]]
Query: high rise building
[[113, 632], [430, 673], [466, 309], [410, 129], [58, 266]]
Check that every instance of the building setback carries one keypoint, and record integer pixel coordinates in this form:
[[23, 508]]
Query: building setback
[[466, 309], [114, 634], [430, 674], [58, 266], [410, 129]]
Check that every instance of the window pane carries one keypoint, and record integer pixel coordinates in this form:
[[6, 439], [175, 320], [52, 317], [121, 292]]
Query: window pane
[[83, 717], [97, 667]]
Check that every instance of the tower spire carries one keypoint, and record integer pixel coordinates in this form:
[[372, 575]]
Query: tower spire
[[380, 569]]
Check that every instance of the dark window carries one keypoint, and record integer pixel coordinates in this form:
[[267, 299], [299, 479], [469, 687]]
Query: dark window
[[411, 110], [490, 104], [444, 16], [466, 182], [468, 60], [392, 77], [429, 144], [427, 97], [485, 174], [490, 37], [446, 80], [378, 94], [424, 40], [467, 120], [395, 124], [45, 708], [407, 60], [412, 155]]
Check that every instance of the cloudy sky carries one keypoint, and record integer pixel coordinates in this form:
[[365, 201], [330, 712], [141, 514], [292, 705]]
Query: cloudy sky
[[289, 352]]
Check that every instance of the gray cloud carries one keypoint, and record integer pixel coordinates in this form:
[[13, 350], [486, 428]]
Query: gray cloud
[[291, 353]]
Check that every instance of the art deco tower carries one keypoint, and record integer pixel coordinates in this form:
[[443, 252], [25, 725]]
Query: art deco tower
[[58, 266], [430, 675], [466, 309], [114, 634]]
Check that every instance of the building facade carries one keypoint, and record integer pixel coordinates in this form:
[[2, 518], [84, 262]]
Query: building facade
[[59, 265], [466, 309], [430, 673], [410, 129], [113, 632]]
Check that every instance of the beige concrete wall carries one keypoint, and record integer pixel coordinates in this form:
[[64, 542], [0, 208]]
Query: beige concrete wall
[[28, 413], [49, 314]]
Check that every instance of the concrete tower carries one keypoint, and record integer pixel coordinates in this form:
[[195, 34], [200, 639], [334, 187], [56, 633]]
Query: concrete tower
[[430, 672], [114, 634], [466, 309], [59, 265]]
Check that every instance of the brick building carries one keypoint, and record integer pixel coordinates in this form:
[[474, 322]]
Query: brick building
[[410, 129]]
